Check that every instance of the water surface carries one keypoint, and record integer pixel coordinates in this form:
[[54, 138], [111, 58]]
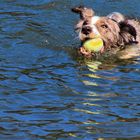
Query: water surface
[[49, 92]]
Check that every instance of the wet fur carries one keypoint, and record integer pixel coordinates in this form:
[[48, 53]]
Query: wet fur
[[114, 34]]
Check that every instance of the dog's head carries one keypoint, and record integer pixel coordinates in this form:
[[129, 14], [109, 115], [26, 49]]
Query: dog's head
[[90, 26], [103, 27], [112, 29]]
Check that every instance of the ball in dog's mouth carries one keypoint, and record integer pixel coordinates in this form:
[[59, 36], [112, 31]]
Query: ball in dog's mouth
[[93, 45]]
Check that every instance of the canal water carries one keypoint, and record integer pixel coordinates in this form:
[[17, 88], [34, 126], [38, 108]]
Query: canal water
[[47, 91]]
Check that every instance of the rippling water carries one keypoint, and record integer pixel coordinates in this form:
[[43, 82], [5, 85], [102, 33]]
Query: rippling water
[[47, 91]]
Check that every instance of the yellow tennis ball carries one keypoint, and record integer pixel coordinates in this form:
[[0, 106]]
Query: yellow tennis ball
[[93, 45]]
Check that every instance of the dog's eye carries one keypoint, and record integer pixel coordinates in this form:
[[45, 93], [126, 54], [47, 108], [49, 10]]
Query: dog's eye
[[104, 26]]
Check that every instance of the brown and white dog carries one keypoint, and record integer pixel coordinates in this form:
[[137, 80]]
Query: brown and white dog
[[115, 30]]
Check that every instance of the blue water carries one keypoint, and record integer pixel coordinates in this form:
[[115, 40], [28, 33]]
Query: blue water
[[47, 91]]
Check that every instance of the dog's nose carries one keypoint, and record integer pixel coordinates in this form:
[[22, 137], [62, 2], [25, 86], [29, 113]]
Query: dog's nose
[[86, 30]]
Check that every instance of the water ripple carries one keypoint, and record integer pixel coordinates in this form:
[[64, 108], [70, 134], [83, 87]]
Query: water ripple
[[48, 91]]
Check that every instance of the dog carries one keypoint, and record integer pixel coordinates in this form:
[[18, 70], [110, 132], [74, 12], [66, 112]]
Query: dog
[[116, 30]]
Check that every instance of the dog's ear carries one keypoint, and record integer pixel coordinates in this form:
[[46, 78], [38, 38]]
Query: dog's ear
[[126, 27], [78, 9], [83, 11]]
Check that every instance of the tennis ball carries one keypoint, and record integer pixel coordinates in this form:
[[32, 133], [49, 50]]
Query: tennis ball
[[93, 45]]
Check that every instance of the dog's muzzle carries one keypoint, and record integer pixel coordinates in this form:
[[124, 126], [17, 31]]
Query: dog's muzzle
[[86, 30]]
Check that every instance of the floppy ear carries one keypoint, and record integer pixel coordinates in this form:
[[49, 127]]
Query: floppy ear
[[83, 11], [127, 28], [78, 9]]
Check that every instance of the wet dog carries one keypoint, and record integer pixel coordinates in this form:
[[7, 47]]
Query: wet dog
[[115, 30]]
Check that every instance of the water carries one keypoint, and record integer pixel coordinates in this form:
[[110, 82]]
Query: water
[[49, 92]]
